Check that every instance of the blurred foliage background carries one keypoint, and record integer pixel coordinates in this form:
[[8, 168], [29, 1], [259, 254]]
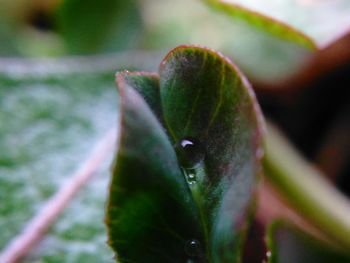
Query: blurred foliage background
[[75, 27], [52, 118]]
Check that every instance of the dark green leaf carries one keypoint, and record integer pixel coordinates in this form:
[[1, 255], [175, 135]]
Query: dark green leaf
[[151, 215], [89, 26], [161, 210], [206, 98], [289, 245]]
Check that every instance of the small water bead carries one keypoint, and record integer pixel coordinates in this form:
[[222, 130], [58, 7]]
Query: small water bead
[[190, 176], [190, 152], [193, 248]]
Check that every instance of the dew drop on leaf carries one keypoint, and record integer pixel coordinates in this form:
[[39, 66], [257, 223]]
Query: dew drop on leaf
[[190, 152], [192, 248], [190, 176]]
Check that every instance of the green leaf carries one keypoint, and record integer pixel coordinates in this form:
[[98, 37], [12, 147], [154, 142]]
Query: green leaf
[[205, 195], [89, 26], [151, 214], [205, 97], [289, 244], [263, 22]]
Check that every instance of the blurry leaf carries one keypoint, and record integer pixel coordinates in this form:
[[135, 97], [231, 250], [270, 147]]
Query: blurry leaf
[[306, 189], [90, 26], [263, 22], [47, 125], [264, 57], [323, 21], [212, 117], [51, 115], [79, 235], [289, 245]]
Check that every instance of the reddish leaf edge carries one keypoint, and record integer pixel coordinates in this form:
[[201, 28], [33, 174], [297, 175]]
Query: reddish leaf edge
[[276, 27]]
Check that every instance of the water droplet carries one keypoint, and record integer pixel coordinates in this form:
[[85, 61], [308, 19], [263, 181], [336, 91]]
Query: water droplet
[[192, 248], [268, 254], [190, 176], [190, 152]]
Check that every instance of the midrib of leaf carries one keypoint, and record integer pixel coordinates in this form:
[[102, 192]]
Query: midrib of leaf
[[196, 195], [195, 191]]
